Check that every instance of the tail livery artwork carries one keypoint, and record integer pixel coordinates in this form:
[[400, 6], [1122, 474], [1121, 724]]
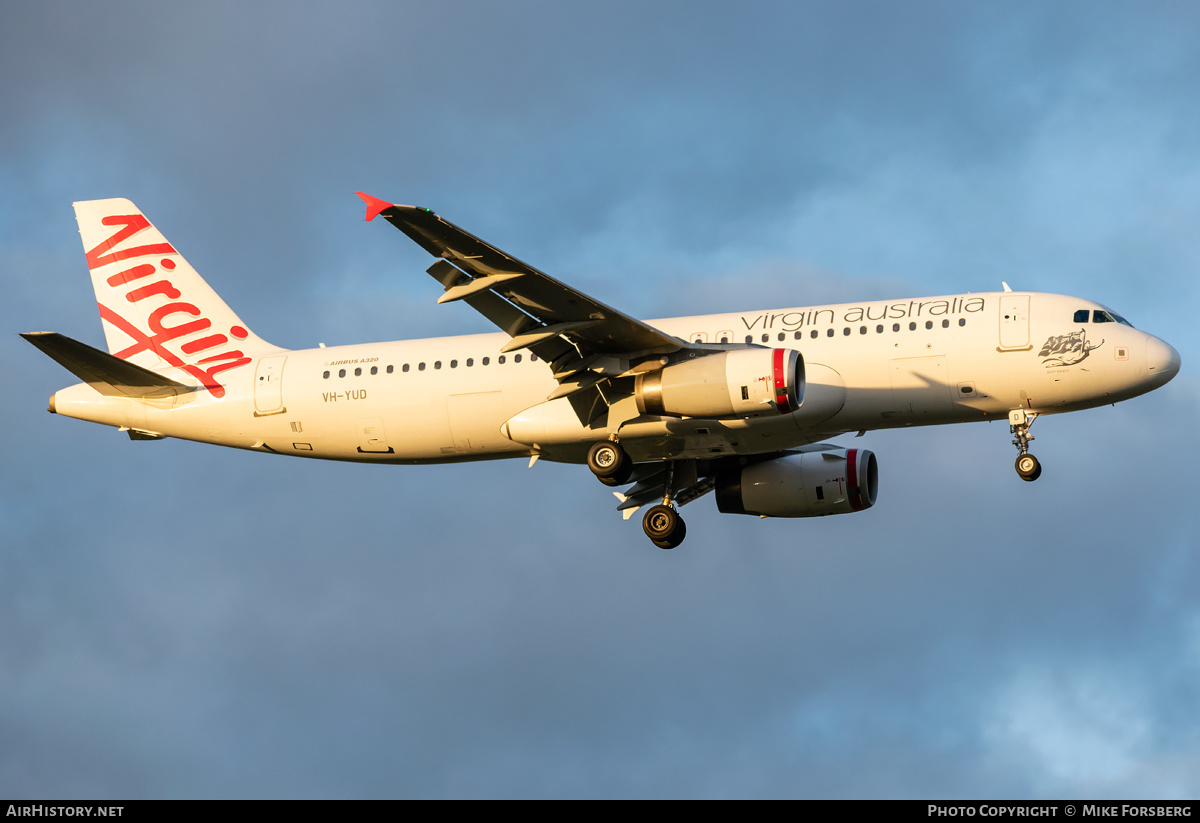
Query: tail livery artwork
[[738, 404]]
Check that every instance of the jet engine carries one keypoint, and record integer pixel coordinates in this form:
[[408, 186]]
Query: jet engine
[[809, 484], [740, 383]]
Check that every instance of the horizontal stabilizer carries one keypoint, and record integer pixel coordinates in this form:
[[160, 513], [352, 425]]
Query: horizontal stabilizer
[[102, 371]]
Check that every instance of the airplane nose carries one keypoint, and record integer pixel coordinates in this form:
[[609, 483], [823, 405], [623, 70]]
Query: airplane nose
[[1162, 361]]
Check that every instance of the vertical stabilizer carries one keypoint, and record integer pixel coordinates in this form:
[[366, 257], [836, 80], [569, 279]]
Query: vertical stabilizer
[[157, 311]]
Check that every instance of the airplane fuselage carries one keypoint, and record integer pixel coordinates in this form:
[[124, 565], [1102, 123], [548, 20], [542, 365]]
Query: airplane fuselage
[[883, 364]]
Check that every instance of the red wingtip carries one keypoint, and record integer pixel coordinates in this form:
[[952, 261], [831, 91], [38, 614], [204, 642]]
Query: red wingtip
[[374, 205]]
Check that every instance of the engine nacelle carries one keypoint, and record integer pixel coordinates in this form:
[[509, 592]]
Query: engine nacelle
[[741, 383], [811, 484]]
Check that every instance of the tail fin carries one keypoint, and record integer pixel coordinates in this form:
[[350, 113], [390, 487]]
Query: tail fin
[[157, 312]]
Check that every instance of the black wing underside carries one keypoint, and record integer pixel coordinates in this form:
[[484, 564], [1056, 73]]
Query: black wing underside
[[587, 343]]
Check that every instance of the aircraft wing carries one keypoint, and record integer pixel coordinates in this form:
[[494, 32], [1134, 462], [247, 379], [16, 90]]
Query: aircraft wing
[[539, 312]]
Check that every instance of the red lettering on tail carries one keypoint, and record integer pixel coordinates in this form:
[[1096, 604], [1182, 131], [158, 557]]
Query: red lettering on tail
[[160, 334], [121, 278], [155, 343], [103, 254]]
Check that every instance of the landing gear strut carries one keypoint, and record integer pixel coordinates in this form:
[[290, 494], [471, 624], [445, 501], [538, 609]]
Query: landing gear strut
[[609, 462], [1019, 422], [613, 467], [662, 523]]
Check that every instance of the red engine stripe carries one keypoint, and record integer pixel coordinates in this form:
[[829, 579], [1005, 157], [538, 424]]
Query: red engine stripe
[[778, 363], [856, 502]]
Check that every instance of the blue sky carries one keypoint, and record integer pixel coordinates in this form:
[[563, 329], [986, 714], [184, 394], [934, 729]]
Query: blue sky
[[184, 621]]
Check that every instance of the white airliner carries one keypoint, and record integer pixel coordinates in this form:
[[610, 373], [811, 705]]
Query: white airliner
[[738, 403]]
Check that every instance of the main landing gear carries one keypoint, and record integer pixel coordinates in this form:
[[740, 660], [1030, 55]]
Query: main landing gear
[[662, 523], [613, 467], [609, 462], [664, 526], [1019, 422]]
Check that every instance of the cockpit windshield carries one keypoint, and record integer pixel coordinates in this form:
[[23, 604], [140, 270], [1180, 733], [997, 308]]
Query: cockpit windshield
[[1100, 316]]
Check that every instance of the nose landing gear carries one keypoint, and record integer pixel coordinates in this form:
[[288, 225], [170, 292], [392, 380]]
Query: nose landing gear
[[1027, 465]]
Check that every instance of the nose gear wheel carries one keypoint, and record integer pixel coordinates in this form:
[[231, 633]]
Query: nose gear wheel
[[1027, 465]]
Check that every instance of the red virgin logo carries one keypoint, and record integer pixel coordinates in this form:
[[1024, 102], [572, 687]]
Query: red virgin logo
[[163, 324]]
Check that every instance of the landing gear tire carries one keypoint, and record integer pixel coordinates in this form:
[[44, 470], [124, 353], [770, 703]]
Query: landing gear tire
[[1028, 467], [675, 538], [609, 462], [664, 527]]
